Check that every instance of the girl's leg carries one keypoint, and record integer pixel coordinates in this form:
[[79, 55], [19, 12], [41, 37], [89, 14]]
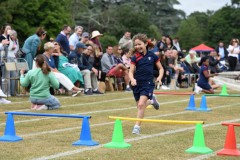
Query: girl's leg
[[141, 105], [52, 103], [211, 91]]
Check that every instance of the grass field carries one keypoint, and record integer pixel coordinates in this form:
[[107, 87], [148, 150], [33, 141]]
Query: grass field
[[52, 138]]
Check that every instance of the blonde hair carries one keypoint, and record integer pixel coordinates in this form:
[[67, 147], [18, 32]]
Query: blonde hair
[[13, 33], [193, 52], [48, 46]]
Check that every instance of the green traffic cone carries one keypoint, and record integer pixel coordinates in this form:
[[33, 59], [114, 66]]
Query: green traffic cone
[[198, 142], [224, 90], [117, 137]]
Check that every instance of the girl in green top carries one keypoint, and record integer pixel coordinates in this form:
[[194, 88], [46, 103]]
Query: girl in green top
[[40, 79]]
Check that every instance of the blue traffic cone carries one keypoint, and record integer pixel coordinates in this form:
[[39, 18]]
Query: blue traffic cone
[[203, 105], [191, 104], [9, 133], [85, 136]]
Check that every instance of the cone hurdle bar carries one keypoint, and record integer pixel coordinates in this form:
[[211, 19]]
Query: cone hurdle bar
[[85, 133], [198, 141], [175, 93], [230, 146], [157, 120], [221, 95]]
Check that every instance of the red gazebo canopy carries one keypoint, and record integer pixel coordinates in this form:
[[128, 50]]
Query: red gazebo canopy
[[202, 48]]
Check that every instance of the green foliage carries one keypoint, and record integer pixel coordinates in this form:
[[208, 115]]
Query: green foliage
[[224, 25], [107, 40], [193, 30], [114, 17], [26, 16], [154, 32]]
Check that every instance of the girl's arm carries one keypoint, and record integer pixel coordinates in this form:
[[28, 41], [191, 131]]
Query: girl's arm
[[131, 72], [24, 80], [161, 71], [207, 75]]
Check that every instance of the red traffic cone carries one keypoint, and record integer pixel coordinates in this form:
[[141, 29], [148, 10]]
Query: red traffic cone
[[230, 147]]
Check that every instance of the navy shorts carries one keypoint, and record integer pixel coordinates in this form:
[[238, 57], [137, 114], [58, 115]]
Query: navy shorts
[[143, 90], [204, 86]]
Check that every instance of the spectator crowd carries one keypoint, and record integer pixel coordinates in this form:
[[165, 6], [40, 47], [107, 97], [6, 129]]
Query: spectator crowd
[[80, 65]]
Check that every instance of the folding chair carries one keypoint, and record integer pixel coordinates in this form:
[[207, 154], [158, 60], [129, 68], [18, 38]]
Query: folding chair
[[11, 66]]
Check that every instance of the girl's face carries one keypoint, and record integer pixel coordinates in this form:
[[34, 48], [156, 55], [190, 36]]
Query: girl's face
[[206, 63], [140, 46]]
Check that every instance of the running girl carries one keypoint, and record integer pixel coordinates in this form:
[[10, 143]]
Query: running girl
[[141, 76]]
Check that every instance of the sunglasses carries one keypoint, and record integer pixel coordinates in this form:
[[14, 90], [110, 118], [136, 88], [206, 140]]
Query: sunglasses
[[55, 44]]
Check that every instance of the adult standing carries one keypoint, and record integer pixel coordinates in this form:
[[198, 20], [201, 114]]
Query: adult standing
[[222, 51], [4, 43], [5, 31], [62, 38], [75, 37], [233, 50], [126, 42], [12, 50], [31, 45]]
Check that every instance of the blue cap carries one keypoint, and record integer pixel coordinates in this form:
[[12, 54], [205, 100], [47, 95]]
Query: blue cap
[[85, 34], [80, 45]]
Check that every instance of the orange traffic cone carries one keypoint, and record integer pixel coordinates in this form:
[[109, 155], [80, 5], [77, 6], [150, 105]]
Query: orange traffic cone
[[230, 147]]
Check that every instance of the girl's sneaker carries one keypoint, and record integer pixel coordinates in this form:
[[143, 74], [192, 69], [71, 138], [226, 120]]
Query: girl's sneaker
[[136, 130], [155, 103]]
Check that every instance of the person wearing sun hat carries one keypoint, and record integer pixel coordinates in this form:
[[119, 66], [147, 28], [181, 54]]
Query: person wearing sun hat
[[95, 39]]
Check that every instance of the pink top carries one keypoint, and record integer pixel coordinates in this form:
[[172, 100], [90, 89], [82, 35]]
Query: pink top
[[126, 61]]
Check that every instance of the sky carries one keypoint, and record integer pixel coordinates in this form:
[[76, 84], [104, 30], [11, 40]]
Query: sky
[[189, 6]]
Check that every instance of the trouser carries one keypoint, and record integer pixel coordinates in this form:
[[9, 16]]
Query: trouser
[[51, 102], [232, 63], [65, 81], [90, 79]]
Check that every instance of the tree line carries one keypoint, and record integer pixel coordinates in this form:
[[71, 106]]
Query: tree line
[[114, 17]]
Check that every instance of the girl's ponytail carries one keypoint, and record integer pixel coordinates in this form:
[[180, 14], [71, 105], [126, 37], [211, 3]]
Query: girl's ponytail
[[40, 60]]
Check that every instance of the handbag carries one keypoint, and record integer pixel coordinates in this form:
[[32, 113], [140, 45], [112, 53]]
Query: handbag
[[20, 53]]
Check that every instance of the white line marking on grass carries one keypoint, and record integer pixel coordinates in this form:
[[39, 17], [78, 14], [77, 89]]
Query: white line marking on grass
[[101, 124], [68, 153], [82, 104], [63, 130], [95, 95], [99, 111]]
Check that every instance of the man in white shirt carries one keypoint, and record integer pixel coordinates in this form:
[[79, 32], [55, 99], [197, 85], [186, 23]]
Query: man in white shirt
[[75, 37]]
